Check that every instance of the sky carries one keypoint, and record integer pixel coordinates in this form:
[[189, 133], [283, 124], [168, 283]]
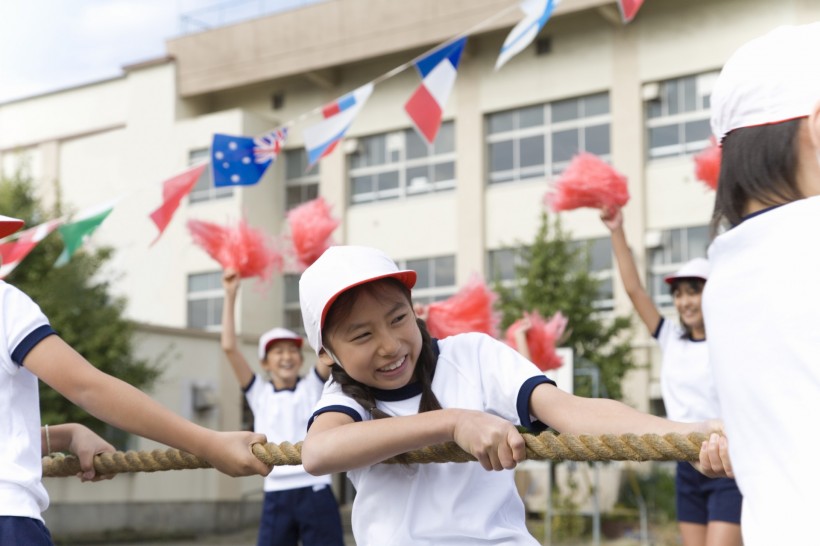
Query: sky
[[46, 45]]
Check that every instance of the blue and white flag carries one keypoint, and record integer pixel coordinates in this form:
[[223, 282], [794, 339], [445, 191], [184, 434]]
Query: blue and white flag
[[233, 161], [536, 15]]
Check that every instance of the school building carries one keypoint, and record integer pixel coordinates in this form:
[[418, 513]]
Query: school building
[[636, 95]]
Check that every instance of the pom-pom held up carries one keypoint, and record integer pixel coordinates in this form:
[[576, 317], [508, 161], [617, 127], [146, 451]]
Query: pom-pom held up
[[707, 165], [469, 310], [588, 181], [241, 248], [543, 336], [311, 226]]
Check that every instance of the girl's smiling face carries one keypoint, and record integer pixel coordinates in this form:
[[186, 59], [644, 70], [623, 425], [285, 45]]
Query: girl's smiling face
[[376, 339]]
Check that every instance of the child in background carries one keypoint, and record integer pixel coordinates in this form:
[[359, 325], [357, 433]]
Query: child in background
[[708, 509], [31, 350], [297, 506], [468, 388], [761, 305]]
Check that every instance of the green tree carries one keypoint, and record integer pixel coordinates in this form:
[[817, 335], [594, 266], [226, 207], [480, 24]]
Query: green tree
[[553, 276], [77, 300]]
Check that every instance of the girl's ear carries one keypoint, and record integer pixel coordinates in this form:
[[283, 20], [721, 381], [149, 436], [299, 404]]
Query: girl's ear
[[814, 127], [325, 359]]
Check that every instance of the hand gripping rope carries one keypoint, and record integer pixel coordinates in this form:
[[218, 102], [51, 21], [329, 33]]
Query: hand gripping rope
[[544, 446]]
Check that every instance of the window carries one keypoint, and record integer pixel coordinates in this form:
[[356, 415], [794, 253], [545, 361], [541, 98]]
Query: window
[[205, 298], [293, 311], [539, 141], [301, 186], [204, 189], [677, 247], [600, 267], [677, 117], [503, 264], [402, 164], [436, 278]]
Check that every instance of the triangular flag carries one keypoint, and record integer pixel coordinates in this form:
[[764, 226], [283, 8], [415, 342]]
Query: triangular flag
[[13, 252], [80, 227], [242, 161], [173, 190], [536, 15], [322, 138], [438, 74], [629, 8]]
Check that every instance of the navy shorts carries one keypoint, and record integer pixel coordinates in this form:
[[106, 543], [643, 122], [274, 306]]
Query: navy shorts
[[701, 499], [28, 531], [306, 514]]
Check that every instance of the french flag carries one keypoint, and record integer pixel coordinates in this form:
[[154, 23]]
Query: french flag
[[536, 15], [629, 9], [322, 138], [438, 75]]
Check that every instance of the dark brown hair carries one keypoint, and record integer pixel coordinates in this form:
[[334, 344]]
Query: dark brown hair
[[757, 163], [425, 366]]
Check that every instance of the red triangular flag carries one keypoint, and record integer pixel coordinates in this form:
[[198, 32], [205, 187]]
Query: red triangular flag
[[173, 190], [13, 252], [629, 8]]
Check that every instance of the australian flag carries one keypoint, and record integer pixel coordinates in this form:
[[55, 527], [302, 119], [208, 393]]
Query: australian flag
[[240, 160]]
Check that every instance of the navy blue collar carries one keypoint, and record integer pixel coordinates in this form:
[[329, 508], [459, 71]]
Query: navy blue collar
[[293, 388], [408, 391], [759, 212]]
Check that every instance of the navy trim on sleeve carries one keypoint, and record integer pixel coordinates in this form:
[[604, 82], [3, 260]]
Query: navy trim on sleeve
[[353, 414], [19, 354], [657, 331], [247, 387], [523, 402]]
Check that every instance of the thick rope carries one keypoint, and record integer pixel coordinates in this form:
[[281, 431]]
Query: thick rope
[[544, 446]]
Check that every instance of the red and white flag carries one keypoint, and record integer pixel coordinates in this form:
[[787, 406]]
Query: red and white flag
[[13, 252], [629, 9], [173, 190], [438, 72]]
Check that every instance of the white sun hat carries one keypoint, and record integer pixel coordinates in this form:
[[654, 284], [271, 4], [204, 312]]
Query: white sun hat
[[768, 80], [341, 268], [693, 269], [274, 335], [9, 225]]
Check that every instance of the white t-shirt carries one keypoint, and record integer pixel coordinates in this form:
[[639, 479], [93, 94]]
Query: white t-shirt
[[762, 311], [687, 384], [282, 415], [444, 504], [22, 326]]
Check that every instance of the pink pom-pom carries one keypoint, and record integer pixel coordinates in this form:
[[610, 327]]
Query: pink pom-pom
[[311, 226], [588, 181], [469, 310], [241, 248], [707, 165], [542, 337]]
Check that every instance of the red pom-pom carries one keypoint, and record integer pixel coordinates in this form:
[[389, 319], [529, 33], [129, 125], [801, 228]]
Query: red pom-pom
[[241, 248], [588, 181], [707, 165], [469, 310], [311, 226], [542, 337]]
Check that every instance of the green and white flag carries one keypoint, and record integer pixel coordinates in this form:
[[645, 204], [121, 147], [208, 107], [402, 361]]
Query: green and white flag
[[82, 225]]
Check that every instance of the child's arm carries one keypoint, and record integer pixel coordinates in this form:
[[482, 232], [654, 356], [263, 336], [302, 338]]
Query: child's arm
[[521, 338], [127, 408], [335, 443], [241, 368], [642, 302], [578, 415], [82, 442]]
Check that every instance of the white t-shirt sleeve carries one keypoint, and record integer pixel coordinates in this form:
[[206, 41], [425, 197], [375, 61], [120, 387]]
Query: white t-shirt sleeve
[[508, 379], [665, 332], [334, 400], [24, 326]]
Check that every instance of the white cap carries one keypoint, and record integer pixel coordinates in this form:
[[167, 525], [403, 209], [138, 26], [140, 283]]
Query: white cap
[[693, 269], [768, 80], [9, 225], [277, 334], [341, 268]]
